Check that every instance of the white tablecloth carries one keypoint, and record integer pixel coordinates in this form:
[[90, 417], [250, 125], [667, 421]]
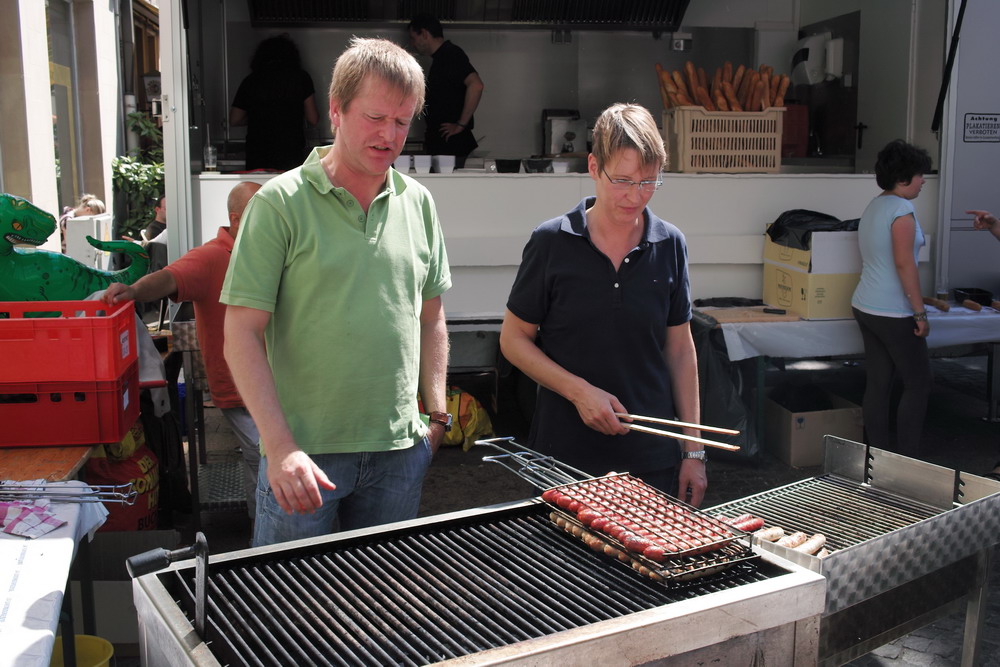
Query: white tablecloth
[[33, 576], [830, 338]]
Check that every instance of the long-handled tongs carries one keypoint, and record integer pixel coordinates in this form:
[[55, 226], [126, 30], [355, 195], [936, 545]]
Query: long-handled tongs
[[679, 436], [120, 493]]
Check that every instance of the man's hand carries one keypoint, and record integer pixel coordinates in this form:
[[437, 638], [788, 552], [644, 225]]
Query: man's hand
[[436, 436], [923, 329], [984, 220], [448, 130], [692, 481], [295, 481], [117, 293]]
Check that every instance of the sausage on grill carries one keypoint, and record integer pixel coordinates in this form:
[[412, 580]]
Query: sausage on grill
[[771, 534], [793, 540], [813, 544]]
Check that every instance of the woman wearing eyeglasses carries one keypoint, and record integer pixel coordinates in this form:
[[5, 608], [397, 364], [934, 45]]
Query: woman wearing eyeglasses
[[599, 316]]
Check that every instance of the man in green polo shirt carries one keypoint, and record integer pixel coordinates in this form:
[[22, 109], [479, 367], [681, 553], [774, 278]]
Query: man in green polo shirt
[[335, 317]]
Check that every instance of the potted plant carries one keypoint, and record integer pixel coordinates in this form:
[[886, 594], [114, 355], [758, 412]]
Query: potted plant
[[138, 175]]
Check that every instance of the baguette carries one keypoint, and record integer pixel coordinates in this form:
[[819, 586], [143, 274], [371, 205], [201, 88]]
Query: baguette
[[720, 101], [664, 97], [716, 83], [746, 89], [756, 96], [730, 93], [727, 72], [684, 96], [779, 95], [667, 82], [702, 78], [995, 305], [691, 76], [940, 304], [738, 77], [765, 94], [972, 305], [701, 95]]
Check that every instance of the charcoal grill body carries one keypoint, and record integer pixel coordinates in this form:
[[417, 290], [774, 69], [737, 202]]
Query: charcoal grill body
[[771, 610]]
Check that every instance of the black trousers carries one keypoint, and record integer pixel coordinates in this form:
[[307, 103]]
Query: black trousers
[[893, 353]]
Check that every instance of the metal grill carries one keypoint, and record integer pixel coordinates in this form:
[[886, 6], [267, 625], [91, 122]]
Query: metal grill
[[846, 512], [909, 542], [419, 597]]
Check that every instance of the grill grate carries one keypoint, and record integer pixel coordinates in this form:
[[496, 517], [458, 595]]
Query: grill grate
[[424, 595], [846, 512]]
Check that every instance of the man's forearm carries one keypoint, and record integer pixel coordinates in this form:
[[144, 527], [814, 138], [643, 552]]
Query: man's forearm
[[473, 93], [154, 286], [246, 356], [433, 364]]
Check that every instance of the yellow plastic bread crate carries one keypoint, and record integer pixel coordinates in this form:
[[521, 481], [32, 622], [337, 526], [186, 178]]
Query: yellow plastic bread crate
[[731, 142]]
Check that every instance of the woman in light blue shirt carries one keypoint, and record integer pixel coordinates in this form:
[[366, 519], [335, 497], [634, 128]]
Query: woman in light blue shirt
[[888, 304]]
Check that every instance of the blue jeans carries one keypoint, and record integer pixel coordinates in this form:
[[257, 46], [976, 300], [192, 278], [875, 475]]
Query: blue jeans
[[249, 438], [372, 488]]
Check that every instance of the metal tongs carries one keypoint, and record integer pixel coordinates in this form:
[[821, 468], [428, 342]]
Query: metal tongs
[[110, 493], [679, 436], [541, 470]]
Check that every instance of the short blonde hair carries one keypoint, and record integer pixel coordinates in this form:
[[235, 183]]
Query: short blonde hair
[[628, 126], [380, 58]]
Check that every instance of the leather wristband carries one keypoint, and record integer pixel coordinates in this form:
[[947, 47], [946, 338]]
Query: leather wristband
[[442, 418]]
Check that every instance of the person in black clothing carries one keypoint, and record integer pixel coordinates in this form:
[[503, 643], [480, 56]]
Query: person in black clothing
[[274, 102], [453, 91]]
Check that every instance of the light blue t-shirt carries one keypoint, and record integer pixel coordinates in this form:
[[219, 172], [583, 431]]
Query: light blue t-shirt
[[880, 291]]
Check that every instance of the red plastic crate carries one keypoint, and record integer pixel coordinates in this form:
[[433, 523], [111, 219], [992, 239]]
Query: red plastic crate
[[89, 341], [68, 413]]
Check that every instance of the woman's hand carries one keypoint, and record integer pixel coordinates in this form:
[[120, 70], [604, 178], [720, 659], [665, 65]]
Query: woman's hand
[[597, 409]]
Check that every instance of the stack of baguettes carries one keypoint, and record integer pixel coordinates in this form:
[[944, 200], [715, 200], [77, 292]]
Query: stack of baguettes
[[742, 89]]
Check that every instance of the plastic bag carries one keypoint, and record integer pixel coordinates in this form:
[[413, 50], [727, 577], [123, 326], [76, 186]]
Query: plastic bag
[[793, 229]]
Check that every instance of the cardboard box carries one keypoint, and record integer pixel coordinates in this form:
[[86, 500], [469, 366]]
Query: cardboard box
[[810, 295], [830, 253], [797, 437]]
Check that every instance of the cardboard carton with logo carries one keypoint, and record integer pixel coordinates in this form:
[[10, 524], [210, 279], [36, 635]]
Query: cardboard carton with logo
[[816, 284]]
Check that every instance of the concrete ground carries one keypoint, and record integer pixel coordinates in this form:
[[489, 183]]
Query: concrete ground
[[956, 436]]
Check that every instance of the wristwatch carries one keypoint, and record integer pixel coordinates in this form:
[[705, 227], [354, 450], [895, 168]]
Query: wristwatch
[[698, 455], [442, 418]]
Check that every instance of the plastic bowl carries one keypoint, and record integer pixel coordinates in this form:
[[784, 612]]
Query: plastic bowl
[[422, 164], [508, 166], [538, 165]]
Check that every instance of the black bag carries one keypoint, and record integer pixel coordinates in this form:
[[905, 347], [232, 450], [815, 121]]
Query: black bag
[[793, 229], [724, 395]]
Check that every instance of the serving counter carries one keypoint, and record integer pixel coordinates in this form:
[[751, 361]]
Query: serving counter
[[487, 218]]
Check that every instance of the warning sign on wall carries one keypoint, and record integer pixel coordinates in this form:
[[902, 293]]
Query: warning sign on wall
[[980, 127]]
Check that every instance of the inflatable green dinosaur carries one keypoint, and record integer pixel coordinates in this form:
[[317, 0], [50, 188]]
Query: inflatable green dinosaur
[[39, 275]]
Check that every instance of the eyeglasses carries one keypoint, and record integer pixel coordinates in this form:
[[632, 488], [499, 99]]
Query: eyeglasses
[[623, 184]]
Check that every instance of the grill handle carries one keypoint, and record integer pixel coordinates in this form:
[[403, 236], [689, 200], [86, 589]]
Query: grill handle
[[157, 559]]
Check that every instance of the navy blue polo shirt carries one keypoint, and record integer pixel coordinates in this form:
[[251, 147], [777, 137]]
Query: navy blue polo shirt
[[608, 327]]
